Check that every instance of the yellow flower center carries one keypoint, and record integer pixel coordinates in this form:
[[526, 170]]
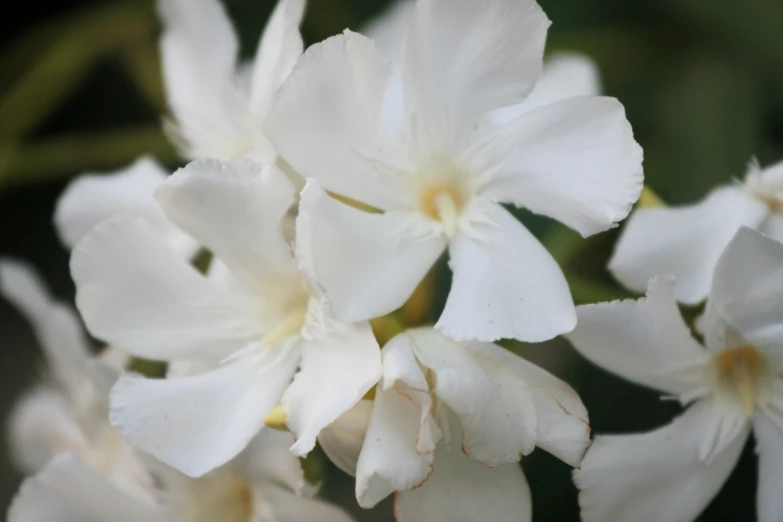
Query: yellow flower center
[[743, 371], [443, 202], [442, 191]]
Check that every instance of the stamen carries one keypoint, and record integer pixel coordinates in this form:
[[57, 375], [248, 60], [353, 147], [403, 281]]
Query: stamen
[[744, 371], [443, 203], [276, 419]]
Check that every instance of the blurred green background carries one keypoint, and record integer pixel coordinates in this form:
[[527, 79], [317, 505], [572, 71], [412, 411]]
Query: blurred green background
[[702, 82]]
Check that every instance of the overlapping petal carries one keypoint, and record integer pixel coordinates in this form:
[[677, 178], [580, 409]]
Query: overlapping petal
[[327, 123], [199, 50], [366, 264], [462, 59], [92, 198], [388, 461], [746, 297], [506, 285], [342, 440], [236, 209], [685, 241], [278, 50], [645, 341], [494, 406], [338, 368], [463, 490], [561, 417], [134, 292], [195, 424]]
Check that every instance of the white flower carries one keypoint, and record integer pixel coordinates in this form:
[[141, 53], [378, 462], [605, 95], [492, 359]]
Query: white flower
[[69, 411], [255, 325], [92, 198], [564, 74], [686, 241], [734, 382], [264, 484], [219, 105], [436, 146], [449, 424]]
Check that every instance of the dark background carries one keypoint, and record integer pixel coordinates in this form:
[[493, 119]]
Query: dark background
[[702, 82]]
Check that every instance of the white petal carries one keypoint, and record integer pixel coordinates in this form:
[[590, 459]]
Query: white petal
[[387, 28], [286, 506], [747, 291], [137, 294], [683, 241], [403, 373], [463, 490], [267, 459], [41, 425], [366, 264], [389, 461], [195, 424], [506, 285], [327, 118], [561, 417], [278, 50], [574, 160], [645, 341], [462, 59], [564, 75], [55, 324], [199, 51], [769, 446], [773, 226], [69, 491], [655, 476], [338, 368], [494, 405], [236, 209], [342, 440], [91, 198]]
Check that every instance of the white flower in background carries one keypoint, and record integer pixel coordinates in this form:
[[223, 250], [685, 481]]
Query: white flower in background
[[256, 324], [686, 241], [564, 74], [68, 412], [68, 490], [264, 484], [449, 424], [437, 146], [219, 106], [92, 198], [734, 383]]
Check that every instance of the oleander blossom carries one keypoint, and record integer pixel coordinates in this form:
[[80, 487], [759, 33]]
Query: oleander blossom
[[249, 325], [219, 105], [94, 197], [68, 410], [447, 427], [435, 146], [733, 384], [686, 241], [264, 484]]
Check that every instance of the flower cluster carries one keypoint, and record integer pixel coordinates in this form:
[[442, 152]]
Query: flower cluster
[[322, 187]]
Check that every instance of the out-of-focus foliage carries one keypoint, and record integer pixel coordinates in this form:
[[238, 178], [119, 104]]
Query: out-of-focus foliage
[[702, 82]]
